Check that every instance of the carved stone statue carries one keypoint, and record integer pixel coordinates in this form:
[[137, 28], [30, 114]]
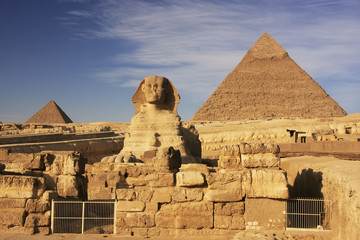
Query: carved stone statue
[[156, 124]]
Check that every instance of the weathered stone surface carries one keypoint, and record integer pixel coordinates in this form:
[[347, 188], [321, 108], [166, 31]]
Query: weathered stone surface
[[195, 167], [268, 184], [260, 160], [140, 220], [265, 214], [12, 217], [69, 186], [162, 195], [229, 215], [130, 206], [194, 215], [12, 203], [37, 206], [189, 179], [230, 162], [17, 186], [161, 180], [229, 209], [37, 220], [187, 194], [102, 185], [227, 186], [128, 194], [155, 125], [256, 148]]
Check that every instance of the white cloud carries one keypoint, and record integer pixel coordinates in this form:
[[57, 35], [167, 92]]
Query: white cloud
[[197, 43]]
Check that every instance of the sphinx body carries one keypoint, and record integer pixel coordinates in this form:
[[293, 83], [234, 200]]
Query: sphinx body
[[156, 124]]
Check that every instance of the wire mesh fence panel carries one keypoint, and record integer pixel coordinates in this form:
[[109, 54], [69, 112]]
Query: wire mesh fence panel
[[307, 213], [82, 217]]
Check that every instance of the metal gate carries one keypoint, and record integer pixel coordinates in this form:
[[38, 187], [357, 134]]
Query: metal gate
[[83, 217], [308, 213]]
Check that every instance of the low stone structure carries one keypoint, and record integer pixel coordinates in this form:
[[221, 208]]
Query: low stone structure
[[153, 201]]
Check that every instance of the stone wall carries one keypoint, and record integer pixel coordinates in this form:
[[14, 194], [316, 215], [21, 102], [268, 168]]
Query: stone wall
[[196, 199], [25, 204]]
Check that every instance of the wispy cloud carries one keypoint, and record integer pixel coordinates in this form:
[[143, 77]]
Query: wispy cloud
[[196, 43]]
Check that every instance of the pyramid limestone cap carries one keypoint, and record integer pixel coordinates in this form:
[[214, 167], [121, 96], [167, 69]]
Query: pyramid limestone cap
[[50, 113], [266, 48]]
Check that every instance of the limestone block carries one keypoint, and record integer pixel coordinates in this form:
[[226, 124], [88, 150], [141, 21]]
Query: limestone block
[[195, 167], [100, 193], [255, 148], [227, 186], [230, 162], [50, 195], [69, 186], [128, 194], [193, 215], [229, 209], [187, 194], [260, 160], [12, 217], [151, 207], [140, 220], [161, 179], [17, 186], [189, 179], [37, 163], [268, 184], [12, 203], [130, 206], [233, 193], [37, 206], [162, 195], [230, 150], [265, 214], [229, 215], [144, 194], [37, 220]]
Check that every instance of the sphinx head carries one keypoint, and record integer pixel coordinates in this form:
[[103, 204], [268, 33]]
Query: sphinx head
[[157, 91], [154, 89]]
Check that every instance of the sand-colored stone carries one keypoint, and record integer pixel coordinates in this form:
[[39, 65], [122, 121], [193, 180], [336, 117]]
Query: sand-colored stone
[[267, 83], [12, 217], [13, 186], [50, 113], [156, 124], [268, 184], [265, 214], [189, 179]]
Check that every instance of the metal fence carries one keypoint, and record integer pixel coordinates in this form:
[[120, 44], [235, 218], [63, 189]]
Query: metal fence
[[308, 213], [83, 217]]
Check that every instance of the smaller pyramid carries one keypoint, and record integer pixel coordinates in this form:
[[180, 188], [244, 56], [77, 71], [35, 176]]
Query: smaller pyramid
[[50, 113]]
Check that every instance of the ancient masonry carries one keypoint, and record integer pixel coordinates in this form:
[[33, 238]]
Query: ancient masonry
[[267, 83], [50, 113]]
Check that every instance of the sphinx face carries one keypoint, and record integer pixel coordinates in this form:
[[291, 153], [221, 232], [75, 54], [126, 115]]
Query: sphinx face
[[154, 89]]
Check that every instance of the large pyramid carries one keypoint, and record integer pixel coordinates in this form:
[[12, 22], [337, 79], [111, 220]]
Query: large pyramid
[[267, 83], [50, 113]]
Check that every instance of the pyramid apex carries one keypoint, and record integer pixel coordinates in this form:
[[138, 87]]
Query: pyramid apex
[[266, 48]]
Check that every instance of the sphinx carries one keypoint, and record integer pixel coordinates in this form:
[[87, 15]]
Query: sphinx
[[156, 125]]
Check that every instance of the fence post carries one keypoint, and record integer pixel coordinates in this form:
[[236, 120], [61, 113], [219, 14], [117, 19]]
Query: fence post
[[52, 216], [115, 203], [82, 217]]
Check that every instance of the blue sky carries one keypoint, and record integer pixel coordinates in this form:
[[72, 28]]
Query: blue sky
[[89, 56]]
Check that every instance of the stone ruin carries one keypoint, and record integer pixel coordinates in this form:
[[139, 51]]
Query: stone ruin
[[160, 192], [160, 184]]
